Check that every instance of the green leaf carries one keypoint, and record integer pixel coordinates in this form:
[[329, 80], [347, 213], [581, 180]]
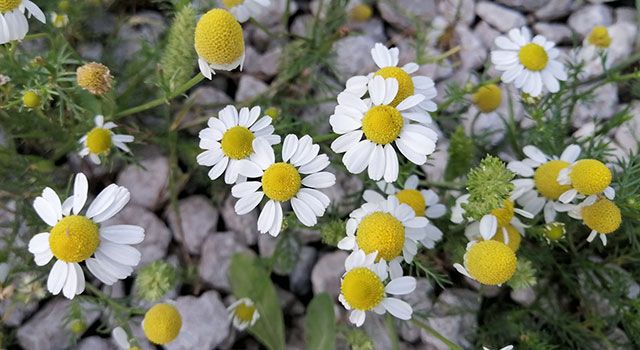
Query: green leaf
[[249, 279], [320, 323]]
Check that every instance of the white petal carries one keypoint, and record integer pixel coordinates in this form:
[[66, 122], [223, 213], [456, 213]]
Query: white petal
[[57, 277], [248, 203], [71, 282], [535, 153], [123, 234], [80, 188], [39, 243], [289, 147], [303, 212], [121, 253], [46, 212], [377, 90], [104, 199], [319, 180], [244, 189], [267, 216], [401, 285], [391, 162], [488, 226], [571, 153], [398, 308]]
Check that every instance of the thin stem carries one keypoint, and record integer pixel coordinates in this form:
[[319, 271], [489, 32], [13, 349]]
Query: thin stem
[[435, 333], [443, 185]]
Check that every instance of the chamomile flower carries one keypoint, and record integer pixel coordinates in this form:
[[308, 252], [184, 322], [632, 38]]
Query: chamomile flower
[[229, 139], [600, 215], [364, 288], [508, 347], [59, 20], [389, 228], [14, 25], [100, 140], [387, 60], [162, 323], [243, 314], [242, 10], [283, 182], [122, 340], [219, 42], [530, 64], [586, 177], [95, 78], [487, 98], [537, 187], [74, 238], [381, 124], [423, 202], [488, 262]]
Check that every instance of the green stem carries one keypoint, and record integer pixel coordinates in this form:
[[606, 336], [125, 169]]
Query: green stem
[[393, 332], [162, 100], [443, 185], [326, 137], [435, 333]]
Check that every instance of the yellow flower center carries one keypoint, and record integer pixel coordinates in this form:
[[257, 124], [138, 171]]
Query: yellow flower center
[[9, 5], [490, 262], [74, 239], [362, 289], [487, 98], [545, 179], [554, 231], [244, 312], [382, 124], [219, 38], [603, 216], [414, 199], [232, 3], [99, 140], [381, 232], [281, 181], [514, 237], [162, 323], [95, 78], [30, 99], [361, 12], [590, 176], [504, 214], [599, 37], [237, 142], [405, 84], [533, 57]]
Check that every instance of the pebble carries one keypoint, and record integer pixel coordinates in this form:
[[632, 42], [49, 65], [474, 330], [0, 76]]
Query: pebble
[[421, 300], [299, 279], [626, 14], [603, 105], [583, 20], [353, 56], [325, 276], [555, 9], [472, 52], [401, 12], [217, 251], [526, 5], [437, 161], [345, 183], [95, 343], [486, 34], [270, 61], [454, 317], [143, 28], [462, 11], [558, 33], [147, 182], [207, 102], [91, 51], [374, 28], [249, 87], [628, 133], [524, 296], [246, 226], [197, 219], [499, 17], [623, 37]]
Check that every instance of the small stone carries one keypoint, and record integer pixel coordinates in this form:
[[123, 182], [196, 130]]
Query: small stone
[[583, 20], [157, 235], [626, 14], [353, 56], [95, 343], [301, 25], [147, 182], [558, 33], [267, 245], [325, 276], [376, 329], [207, 102], [205, 320], [603, 105], [251, 63], [299, 279], [421, 302], [401, 12], [437, 161], [499, 17], [270, 61], [628, 134], [217, 251], [526, 5], [463, 11], [374, 28], [454, 317], [249, 87], [144, 27], [246, 226], [524, 296], [472, 52], [344, 184], [91, 51], [486, 34], [556, 9], [623, 37], [197, 219], [272, 14]]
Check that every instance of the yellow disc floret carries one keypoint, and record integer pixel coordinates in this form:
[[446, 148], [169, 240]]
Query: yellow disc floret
[[381, 232], [162, 323], [244, 312], [554, 231], [602, 216], [362, 289], [281, 181], [599, 37], [232, 3], [99, 140], [236, 142], [382, 124], [9, 5], [405, 83], [219, 39], [504, 214], [533, 57], [414, 199], [487, 98], [30, 99], [361, 12], [490, 262], [590, 176], [74, 239], [512, 234], [545, 179], [95, 78]]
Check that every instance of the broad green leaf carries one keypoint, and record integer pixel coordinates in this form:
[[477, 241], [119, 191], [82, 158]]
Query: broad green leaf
[[249, 279], [320, 324]]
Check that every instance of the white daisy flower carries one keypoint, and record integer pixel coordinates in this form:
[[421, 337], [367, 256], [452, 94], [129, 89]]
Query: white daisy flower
[[364, 288], [74, 238], [529, 64], [594, 44], [381, 124], [59, 20], [537, 187], [599, 214], [508, 347], [99, 141], [389, 228], [585, 178], [243, 314], [424, 203], [242, 10], [387, 60], [282, 181], [13, 22], [229, 139]]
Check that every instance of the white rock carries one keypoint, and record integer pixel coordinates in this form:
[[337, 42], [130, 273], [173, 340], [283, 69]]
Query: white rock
[[486, 34], [95, 343], [249, 87], [437, 161], [472, 52], [267, 245], [299, 279], [603, 105], [527, 5], [400, 12], [245, 225], [147, 182], [197, 219], [345, 183], [556, 9], [458, 10], [499, 17], [251, 63], [143, 28], [205, 320], [454, 317], [272, 15], [587, 17], [524, 296], [421, 300], [558, 33], [325, 276], [217, 251], [628, 134], [623, 37], [374, 28], [207, 101], [626, 14], [353, 56], [270, 61]]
